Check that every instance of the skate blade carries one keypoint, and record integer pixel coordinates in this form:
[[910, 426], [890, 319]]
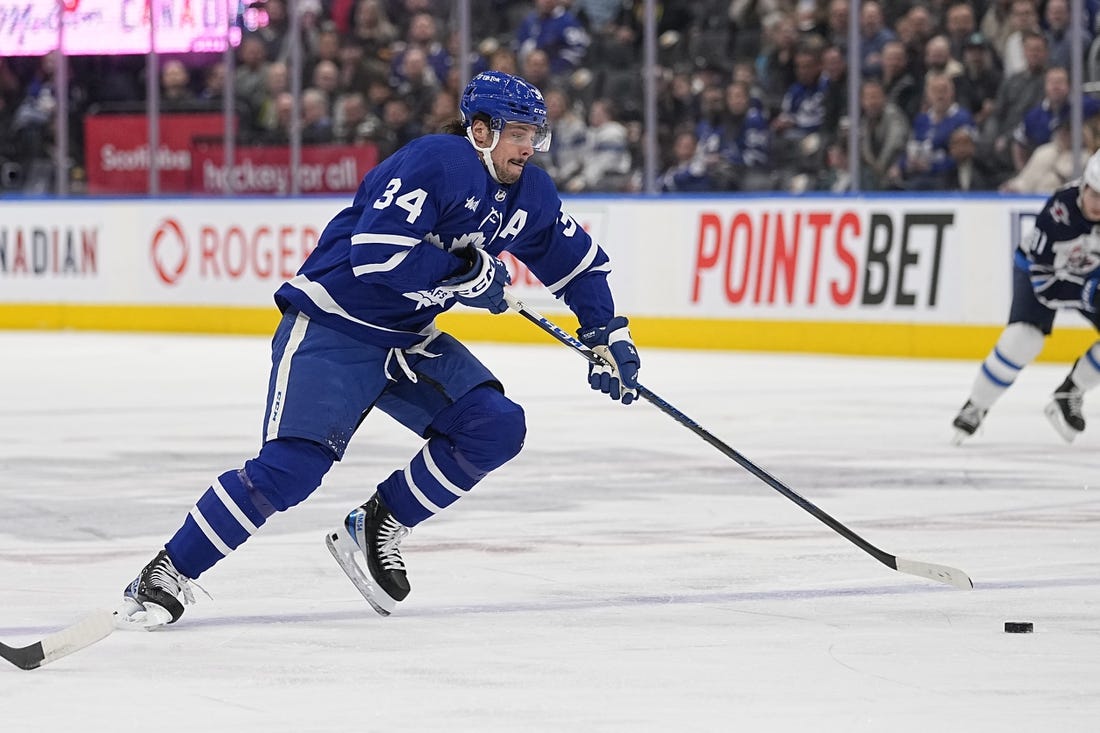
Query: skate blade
[[1054, 415], [960, 437], [344, 552], [133, 616]]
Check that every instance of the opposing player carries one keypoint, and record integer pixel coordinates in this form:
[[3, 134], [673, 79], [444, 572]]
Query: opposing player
[[1057, 267], [358, 333]]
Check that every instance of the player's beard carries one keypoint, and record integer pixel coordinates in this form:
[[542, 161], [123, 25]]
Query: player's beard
[[510, 171]]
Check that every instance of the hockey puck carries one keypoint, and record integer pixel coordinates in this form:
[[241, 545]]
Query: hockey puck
[[1019, 627]]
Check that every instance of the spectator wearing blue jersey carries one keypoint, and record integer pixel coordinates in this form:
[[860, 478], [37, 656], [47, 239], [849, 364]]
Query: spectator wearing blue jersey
[[358, 333], [551, 27], [802, 112], [688, 171], [926, 157], [735, 143], [1056, 268], [1043, 119]]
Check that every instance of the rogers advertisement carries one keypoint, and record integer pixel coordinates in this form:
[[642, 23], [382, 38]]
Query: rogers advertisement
[[116, 154]]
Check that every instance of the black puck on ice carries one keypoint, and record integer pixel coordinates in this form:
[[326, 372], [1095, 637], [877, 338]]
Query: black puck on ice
[[1019, 627]]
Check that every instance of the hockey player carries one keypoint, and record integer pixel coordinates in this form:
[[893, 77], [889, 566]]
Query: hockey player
[[1056, 267], [358, 333]]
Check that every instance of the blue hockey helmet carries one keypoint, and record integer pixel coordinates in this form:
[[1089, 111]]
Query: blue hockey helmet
[[504, 98]]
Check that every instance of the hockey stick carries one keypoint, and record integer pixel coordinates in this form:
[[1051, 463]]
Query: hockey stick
[[941, 573], [85, 632]]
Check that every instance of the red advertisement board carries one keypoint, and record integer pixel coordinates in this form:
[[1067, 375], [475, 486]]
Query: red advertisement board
[[323, 168], [116, 150], [116, 155]]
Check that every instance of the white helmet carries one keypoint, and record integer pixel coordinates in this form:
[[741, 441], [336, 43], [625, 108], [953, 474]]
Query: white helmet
[[1091, 176]]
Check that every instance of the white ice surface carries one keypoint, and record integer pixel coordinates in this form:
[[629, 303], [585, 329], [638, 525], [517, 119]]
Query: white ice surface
[[619, 575]]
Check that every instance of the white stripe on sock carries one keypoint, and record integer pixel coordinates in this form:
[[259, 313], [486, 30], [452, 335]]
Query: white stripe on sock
[[207, 530], [227, 501], [435, 471], [418, 494]]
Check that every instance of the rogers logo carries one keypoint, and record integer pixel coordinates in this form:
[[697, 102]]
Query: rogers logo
[[169, 251], [229, 252]]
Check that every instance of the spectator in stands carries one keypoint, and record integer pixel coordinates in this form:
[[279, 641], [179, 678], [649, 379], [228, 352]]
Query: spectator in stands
[[1023, 20], [351, 114], [213, 85], [416, 80], [1017, 94], [266, 117], [996, 26], [976, 87], [1051, 166], [777, 68], [802, 112], [959, 25], [175, 86], [967, 171], [734, 140], [250, 80], [326, 49], [326, 77], [1043, 119], [570, 136], [372, 30], [551, 27], [423, 33], [1059, 37], [834, 65], [688, 171], [274, 35], [884, 130], [607, 160], [938, 59], [536, 69], [444, 109], [873, 36], [836, 24], [926, 159], [317, 126], [900, 85], [398, 127]]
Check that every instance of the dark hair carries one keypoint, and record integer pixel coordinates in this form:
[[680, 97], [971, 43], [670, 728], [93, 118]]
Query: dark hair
[[457, 126]]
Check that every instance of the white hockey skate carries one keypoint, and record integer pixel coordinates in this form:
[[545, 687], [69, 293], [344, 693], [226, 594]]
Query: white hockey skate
[[366, 548]]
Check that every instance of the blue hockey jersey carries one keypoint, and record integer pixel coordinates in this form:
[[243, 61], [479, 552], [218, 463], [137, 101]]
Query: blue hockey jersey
[[376, 270], [1062, 251]]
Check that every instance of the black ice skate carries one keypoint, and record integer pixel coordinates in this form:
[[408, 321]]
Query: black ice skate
[[1064, 410], [370, 537], [967, 421], [156, 597]]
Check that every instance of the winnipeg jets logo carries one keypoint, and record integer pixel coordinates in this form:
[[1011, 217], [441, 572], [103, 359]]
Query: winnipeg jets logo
[[1059, 212], [472, 203]]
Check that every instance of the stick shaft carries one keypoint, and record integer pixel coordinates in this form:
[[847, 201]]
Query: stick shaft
[[936, 572]]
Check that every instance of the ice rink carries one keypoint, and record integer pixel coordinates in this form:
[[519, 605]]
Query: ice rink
[[619, 575]]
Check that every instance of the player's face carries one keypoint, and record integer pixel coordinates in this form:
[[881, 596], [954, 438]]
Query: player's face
[[1090, 203], [516, 145]]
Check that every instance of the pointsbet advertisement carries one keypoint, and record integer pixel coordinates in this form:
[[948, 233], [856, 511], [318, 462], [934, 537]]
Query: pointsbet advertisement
[[710, 272]]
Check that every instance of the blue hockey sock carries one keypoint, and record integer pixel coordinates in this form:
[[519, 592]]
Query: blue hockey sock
[[477, 434], [238, 503]]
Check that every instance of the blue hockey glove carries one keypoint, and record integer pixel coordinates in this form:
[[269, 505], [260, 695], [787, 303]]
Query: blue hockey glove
[[1088, 293], [612, 343], [481, 285]]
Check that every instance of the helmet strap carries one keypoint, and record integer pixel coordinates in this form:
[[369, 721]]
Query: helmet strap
[[485, 153]]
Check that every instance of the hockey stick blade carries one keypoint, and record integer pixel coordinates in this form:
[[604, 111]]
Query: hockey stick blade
[[940, 573], [87, 631]]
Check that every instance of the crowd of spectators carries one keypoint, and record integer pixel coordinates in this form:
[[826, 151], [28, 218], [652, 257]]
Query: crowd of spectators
[[752, 94]]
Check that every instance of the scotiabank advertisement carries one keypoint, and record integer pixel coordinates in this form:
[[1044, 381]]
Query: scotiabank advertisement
[[117, 158]]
